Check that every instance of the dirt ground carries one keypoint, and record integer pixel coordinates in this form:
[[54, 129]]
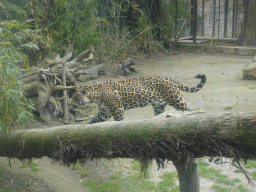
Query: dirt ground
[[224, 91]]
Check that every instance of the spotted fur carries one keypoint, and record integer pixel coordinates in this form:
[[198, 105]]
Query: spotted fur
[[113, 97]]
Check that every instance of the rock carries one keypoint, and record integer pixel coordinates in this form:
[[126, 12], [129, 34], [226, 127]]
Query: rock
[[249, 71], [101, 69], [93, 73], [126, 67]]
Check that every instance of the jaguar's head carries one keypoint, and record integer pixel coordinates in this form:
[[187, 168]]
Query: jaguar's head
[[82, 96], [78, 99]]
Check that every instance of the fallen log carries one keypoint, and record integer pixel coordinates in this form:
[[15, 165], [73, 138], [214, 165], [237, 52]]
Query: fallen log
[[202, 134], [180, 138]]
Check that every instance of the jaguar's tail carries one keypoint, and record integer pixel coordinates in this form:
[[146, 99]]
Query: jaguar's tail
[[196, 88]]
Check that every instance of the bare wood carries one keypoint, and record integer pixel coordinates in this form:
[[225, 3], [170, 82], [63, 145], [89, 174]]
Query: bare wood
[[188, 175], [50, 77], [64, 83]]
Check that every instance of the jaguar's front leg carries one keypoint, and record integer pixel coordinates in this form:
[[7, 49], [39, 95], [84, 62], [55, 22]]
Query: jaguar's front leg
[[103, 115], [100, 117]]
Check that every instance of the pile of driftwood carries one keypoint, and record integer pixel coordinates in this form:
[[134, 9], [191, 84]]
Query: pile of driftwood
[[48, 83]]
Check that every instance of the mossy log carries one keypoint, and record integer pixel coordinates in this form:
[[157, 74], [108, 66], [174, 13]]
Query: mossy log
[[180, 138], [200, 134]]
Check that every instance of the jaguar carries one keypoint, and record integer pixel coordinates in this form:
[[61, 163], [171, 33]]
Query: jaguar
[[114, 97]]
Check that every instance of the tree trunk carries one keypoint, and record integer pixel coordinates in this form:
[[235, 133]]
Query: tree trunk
[[189, 129], [188, 175], [181, 138]]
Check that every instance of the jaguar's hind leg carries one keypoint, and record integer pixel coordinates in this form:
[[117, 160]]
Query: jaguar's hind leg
[[177, 102], [118, 113]]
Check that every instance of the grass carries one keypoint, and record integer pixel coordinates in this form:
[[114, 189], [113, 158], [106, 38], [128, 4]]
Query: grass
[[168, 181], [98, 186], [15, 181], [31, 164], [250, 164], [221, 182], [253, 175], [224, 180], [252, 88], [242, 188], [80, 170], [134, 182], [220, 188], [228, 108]]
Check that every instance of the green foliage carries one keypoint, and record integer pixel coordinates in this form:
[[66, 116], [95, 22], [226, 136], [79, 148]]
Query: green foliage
[[80, 170], [168, 15], [73, 21], [220, 188], [254, 175], [228, 108], [24, 36], [213, 174], [242, 188], [102, 24], [98, 186], [12, 10], [250, 164], [15, 108], [168, 181], [31, 164]]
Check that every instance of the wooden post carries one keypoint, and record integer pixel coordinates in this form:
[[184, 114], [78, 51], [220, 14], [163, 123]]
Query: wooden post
[[226, 19], [219, 21], [246, 18], [233, 18], [202, 29], [214, 17], [188, 175], [65, 100], [176, 18], [194, 21]]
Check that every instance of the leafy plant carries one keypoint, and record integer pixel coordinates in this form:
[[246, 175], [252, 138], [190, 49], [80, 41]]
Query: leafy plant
[[168, 16], [15, 108], [31, 164], [228, 108], [80, 170]]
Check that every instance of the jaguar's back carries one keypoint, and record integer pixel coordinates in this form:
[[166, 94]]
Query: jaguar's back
[[113, 97]]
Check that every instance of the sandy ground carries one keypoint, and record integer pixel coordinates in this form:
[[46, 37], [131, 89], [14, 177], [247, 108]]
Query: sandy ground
[[224, 88]]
